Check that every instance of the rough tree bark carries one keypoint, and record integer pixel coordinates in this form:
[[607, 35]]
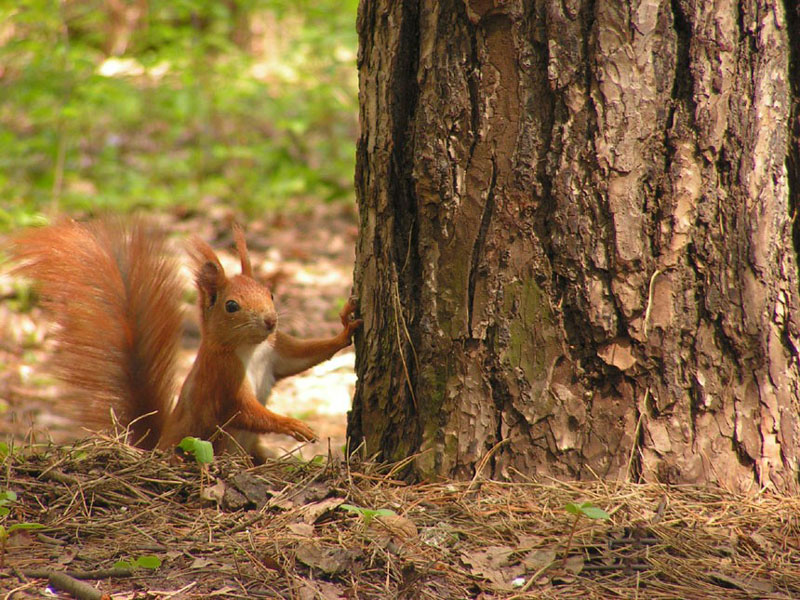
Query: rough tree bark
[[576, 252]]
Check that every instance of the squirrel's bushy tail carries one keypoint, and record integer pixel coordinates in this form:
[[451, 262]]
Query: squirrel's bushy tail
[[116, 298]]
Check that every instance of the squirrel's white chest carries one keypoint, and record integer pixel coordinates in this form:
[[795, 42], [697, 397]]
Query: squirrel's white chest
[[258, 363]]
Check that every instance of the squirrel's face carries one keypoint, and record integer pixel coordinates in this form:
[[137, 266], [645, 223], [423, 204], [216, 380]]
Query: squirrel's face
[[241, 313], [236, 310]]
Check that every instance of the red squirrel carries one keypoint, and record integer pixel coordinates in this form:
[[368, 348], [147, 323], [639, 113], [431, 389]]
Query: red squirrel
[[116, 298]]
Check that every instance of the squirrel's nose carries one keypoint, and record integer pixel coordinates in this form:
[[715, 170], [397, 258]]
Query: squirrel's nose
[[270, 321]]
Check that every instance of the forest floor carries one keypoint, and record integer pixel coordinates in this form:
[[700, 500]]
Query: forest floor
[[312, 524]]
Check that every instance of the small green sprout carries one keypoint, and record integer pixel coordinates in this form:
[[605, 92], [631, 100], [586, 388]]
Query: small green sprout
[[584, 509], [5, 451], [202, 450], [8, 497], [368, 514], [317, 461], [147, 561], [588, 510]]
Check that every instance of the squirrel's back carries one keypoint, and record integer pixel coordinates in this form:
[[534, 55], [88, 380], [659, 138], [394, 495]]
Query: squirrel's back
[[116, 298]]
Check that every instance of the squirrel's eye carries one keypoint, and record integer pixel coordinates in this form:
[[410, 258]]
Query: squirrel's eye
[[232, 306]]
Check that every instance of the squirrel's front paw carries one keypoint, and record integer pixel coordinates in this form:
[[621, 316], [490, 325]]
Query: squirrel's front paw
[[299, 430], [349, 323]]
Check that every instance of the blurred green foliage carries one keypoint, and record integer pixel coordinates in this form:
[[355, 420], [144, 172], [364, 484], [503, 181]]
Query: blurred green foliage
[[119, 104]]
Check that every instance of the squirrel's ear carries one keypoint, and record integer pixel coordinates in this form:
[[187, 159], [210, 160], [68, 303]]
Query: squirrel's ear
[[241, 248], [208, 272]]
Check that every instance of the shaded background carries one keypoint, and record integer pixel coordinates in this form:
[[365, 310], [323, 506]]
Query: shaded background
[[161, 103]]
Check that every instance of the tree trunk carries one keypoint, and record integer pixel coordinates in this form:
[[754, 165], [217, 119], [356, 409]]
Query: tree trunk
[[576, 254]]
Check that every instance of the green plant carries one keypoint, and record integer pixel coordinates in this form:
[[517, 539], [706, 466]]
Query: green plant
[[147, 561], [316, 461], [367, 514], [202, 450], [6, 498], [584, 509], [9, 497]]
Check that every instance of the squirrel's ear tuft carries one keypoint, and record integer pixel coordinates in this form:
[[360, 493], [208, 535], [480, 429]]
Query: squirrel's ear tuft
[[208, 272], [241, 248], [208, 282]]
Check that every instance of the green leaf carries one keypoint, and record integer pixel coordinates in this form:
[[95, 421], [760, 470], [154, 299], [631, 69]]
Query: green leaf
[[351, 508], [7, 496], [148, 562], [80, 455], [188, 443], [123, 564], [595, 513], [18, 526], [368, 514], [202, 450], [586, 509], [4, 510]]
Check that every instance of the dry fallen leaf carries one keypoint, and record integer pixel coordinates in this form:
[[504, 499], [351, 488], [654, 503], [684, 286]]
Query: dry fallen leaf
[[392, 531], [441, 535], [328, 559], [68, 556], [302, 529], [754, 587], [315, 511], [254, 488], [201, 563], [493, 564], [539, 558], [574, 564], [233, 499], [314, 590], [214, 493]]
